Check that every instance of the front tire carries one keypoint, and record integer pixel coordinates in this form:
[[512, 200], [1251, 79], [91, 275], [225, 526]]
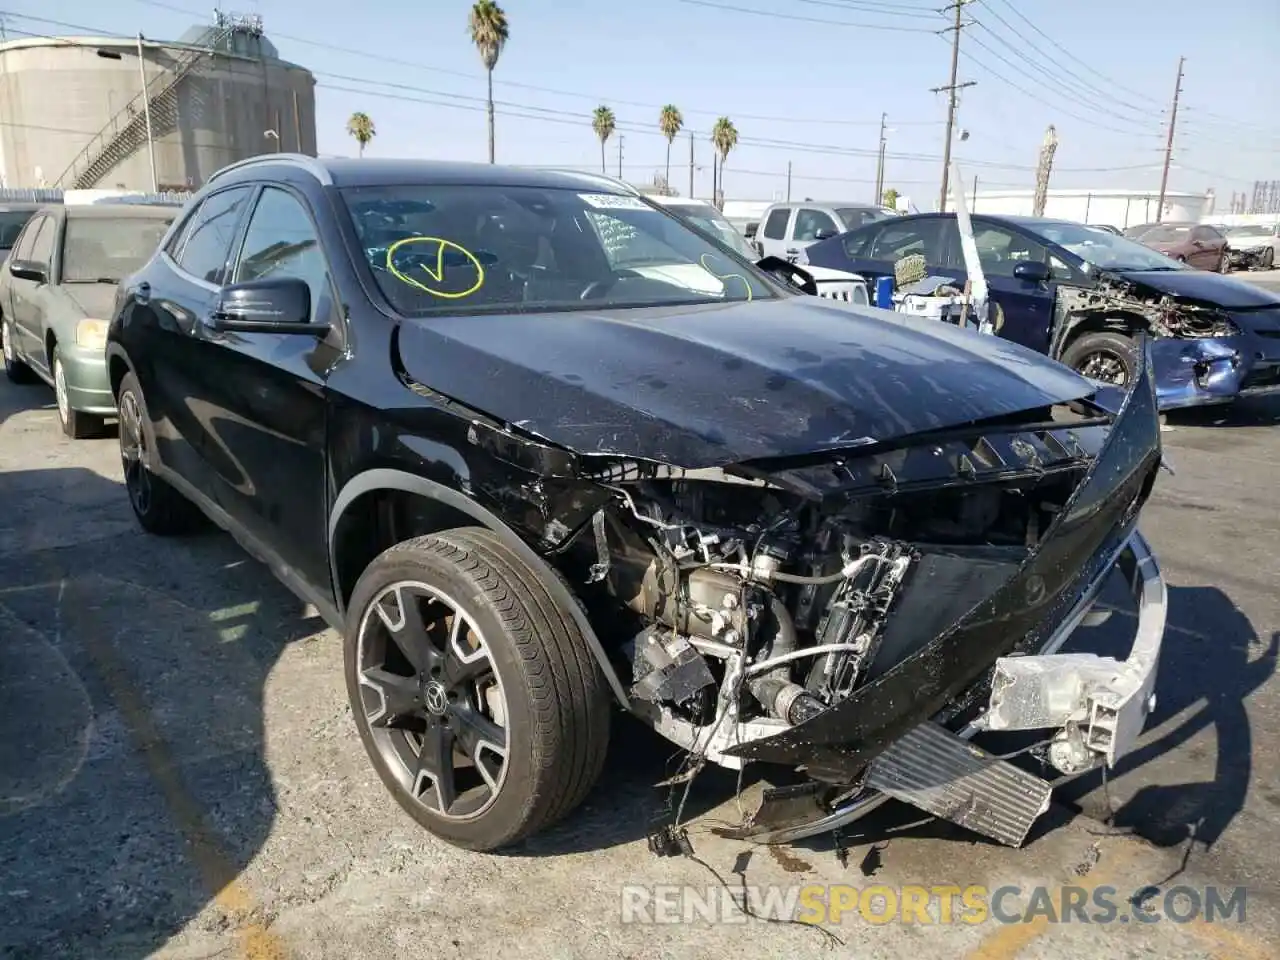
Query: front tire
[[1268, 259], [1106, 356], [477, 699], [76, 425], [160, 509], [14, 369]]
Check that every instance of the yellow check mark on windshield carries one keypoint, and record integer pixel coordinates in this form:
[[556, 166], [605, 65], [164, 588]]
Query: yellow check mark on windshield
[[436, 275]]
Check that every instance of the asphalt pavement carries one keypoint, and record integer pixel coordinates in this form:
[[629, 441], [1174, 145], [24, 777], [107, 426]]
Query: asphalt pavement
[[180, 776]]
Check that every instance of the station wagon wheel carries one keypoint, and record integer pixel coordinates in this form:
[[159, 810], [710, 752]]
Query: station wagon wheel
[[1105, 356], [160, 508], [75, 424], [474, 693]]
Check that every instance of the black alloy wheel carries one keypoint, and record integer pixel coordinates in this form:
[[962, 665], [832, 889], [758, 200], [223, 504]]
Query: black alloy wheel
[[160, 508], [474, 693]]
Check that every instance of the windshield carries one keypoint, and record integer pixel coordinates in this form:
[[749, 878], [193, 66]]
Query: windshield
[[709, 220], [11, 224], [1102, 250], [108, 249], [855, 217], [458, 249], [1250, 231]]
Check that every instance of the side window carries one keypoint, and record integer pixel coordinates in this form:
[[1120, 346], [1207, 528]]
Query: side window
[[856, 244], [809, 222], [775, 228], [1000, 250], [22, 251], [42, 246], [282, 242], [898, 240], [206, 246], [1207, 234]]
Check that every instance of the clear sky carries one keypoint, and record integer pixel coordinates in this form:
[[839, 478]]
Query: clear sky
[[804, 81]]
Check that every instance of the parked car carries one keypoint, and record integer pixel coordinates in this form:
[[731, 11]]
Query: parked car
[[788, 228], [56, 297], [1195, 244], [526, 481], [707, 218], [1254, 246], [13, 217], [1082, 296]]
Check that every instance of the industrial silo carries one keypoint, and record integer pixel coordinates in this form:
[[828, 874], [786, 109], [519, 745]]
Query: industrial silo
[[76, 117]]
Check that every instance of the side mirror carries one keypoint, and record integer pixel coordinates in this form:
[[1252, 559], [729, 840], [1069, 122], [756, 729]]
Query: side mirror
[[823, 233], [1031, 271], [274, 305], [29, 270]]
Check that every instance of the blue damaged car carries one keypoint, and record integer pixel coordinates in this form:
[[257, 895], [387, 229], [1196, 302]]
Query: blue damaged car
[[1082, 296]]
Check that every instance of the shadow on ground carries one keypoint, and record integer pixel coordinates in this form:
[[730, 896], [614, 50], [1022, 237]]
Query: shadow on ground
[[133, 788]]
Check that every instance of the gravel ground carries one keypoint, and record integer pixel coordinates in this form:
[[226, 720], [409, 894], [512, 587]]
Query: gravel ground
[[180, 777]]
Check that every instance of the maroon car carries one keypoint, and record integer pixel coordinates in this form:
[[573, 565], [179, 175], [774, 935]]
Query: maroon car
[[1197, 244]]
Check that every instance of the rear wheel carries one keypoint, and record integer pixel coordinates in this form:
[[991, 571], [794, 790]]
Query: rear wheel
[[1268, 259], [14, 369], [160, 508], [1224, 265], [76, 425], [474, 693], [1106, 356]]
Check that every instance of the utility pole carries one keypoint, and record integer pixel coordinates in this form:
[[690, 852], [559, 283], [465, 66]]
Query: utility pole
[[690, 164], [620, 139], [1168, 147], [1043, 168], [952, 89], [146, 107], [788, 181], [880, 163]]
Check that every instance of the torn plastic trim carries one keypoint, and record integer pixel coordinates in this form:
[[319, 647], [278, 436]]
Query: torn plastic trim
[[1148, 588], [1108, 699]]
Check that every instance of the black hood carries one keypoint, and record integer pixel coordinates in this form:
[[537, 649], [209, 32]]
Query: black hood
[[1204, 286], [715, 384]]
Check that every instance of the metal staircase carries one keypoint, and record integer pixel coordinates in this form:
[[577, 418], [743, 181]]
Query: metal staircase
[[126, 132]]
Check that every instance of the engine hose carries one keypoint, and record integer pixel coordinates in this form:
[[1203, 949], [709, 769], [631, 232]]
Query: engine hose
[[775, 690]]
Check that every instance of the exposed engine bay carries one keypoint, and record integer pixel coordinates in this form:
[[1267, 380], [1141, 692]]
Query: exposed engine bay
[[1116, 300]]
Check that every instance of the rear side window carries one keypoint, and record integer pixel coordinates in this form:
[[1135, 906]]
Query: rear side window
[[775, 228], [898, 240], [205, 246]]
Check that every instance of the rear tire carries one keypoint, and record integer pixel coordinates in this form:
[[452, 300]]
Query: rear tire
[[1104, 356], [76, 425], [160, 509], [1224, 265], [1268, 259], [555, 705], [14, 369]]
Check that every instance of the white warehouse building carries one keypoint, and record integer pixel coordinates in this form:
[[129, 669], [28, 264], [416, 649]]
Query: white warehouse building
[[1118, 208]]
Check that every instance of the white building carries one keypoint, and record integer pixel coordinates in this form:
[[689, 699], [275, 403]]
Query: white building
[[1118, 208]]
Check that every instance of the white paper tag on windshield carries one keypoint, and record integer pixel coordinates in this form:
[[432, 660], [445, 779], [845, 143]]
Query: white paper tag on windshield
[[612, 201]]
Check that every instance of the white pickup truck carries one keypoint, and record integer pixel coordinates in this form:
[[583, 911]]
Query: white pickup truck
[[787, 228]]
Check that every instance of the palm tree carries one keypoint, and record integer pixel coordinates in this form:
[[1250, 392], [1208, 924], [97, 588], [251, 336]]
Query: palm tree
[[360, 126], [603, 123], [724, 137], [489, 32], [669, 122]]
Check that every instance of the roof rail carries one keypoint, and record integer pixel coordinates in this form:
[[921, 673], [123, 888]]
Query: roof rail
[[310, 164]]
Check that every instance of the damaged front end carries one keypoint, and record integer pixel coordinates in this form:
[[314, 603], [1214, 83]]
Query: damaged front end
[[1204, 353], [857, 615]]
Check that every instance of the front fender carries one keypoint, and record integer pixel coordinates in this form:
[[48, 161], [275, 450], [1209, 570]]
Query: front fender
[[386, 478]]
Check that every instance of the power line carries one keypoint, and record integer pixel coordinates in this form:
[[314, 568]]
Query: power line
[[795, 18]]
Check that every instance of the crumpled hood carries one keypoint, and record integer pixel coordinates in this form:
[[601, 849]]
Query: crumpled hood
[[97, 300], [1204, 286], [1248, 243], [714, 384]]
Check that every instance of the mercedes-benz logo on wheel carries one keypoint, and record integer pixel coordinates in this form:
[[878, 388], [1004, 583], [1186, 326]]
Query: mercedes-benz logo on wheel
[[434, 698]]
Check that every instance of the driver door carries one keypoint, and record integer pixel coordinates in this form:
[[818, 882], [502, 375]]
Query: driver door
[[808, 228]]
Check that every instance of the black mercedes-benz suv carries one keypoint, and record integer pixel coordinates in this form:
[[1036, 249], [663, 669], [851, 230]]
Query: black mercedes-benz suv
[[537, 448]]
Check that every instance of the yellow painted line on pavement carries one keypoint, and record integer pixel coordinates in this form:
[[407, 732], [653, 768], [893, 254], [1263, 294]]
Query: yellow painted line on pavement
[[217, 870]]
